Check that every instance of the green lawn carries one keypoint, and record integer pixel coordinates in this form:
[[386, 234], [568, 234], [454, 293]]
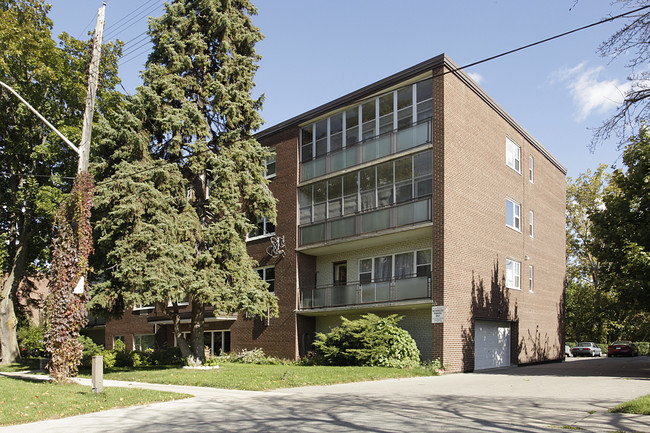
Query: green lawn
[[639, 406], [261, 377], [25, 401]]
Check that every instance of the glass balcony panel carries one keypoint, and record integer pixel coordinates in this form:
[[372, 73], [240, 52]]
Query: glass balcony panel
[[343, 228], [411, 288], [376, 148], [368, 293], [312, 234], [320, 298], [306, 298], [412, 137], [344, 295], [382, 290], [373, 221]]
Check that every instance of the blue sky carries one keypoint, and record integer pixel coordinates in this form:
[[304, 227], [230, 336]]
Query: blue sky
[[316, 51]]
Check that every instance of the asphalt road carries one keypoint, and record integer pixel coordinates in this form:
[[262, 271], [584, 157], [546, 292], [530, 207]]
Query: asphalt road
[[541, 398]]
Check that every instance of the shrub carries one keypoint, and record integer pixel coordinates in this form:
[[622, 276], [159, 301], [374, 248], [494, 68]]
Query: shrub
[[255, 356], [119, 346], [368, 341], [168, 356], [30, 340]]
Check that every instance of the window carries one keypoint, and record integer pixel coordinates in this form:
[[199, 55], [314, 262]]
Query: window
[[513, 155], [144, 341], [270, 165], [530, 169], [398, 266], [142, 308], [513, 274], [268, 275], [217, 341], [118, 338], [264, 228], [530, 224], [530, 278], [513, 214], [397, 109], [396, 181]]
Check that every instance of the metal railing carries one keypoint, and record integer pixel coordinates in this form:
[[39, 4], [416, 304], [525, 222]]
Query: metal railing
[[357, 293], [369, 150], [395, 215]]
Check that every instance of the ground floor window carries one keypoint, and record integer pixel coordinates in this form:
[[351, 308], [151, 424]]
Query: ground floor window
[[217, 342], [144, 341]]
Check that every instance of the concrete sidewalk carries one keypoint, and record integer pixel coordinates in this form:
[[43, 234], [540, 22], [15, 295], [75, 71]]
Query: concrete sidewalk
[[541, 398]]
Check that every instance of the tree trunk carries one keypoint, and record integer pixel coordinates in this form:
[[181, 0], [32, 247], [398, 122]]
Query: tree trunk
[[196, 335], [180, 340], [8, 322]]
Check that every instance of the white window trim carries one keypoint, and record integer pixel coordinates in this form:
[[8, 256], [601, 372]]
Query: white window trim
[[515, 284], [531, 174], [372, 260], [264, 235], [264, 268], [137, 337], [140, 307], [531, 224], [516, 155], [531, 274], [266, 164], [516, 214]]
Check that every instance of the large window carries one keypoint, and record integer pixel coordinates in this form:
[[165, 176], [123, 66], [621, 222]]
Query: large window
[[397, 109], [268, 275], [144, 341], [513, 155], [384, 184], [513, 214], [218, 342], [513, 274], [398, 266], [264, 228]]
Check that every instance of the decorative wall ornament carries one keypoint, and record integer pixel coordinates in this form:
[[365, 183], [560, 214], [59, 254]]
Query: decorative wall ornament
[[277, 247]]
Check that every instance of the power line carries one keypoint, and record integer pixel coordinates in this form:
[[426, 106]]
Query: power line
[[116, 28], [606, 20]]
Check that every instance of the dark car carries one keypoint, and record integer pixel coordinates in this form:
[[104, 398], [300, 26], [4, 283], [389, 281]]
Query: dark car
[[622, 348], [586, 349]]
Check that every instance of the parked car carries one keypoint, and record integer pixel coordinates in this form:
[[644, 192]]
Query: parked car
[[567, 351], [586, 349], [622, 348]]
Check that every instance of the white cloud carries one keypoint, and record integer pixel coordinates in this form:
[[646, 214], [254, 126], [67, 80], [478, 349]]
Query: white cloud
[[475, 76], [590, 94]]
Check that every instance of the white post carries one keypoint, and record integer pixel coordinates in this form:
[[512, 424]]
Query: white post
[[98, 374]]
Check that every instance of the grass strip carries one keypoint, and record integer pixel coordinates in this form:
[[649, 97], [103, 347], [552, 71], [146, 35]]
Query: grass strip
[[639, 406], [24, 401], [254, 377]]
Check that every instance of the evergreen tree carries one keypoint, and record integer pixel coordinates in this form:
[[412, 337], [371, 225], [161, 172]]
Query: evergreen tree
[[196, 110]]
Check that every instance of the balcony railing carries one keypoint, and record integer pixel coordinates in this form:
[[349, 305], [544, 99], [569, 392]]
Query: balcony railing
[[357, 293], [368, 150], [396, 215]]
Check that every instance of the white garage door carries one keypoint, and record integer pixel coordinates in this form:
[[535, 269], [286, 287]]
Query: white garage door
[[491, 345]]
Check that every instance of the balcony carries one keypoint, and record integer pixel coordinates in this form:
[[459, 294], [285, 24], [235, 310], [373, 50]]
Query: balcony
[[368, 150], [395, 215], [357, 293]]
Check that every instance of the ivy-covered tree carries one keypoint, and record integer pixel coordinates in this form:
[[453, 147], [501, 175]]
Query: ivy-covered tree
[[623, 228], [37, 167], [197, 112]]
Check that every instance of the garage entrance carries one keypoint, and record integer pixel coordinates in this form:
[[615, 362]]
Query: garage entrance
[[491, 344]]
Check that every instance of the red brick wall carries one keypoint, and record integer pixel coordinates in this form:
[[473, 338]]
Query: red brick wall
[[278, 336], [477, 241]]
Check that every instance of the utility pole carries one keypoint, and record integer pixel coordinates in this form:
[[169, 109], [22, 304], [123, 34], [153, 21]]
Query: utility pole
[[93, 77]]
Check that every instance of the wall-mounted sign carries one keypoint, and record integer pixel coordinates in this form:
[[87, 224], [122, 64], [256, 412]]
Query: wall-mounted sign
[[438, 314]]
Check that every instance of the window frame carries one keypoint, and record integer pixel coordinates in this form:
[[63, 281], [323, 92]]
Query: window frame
[[513, 282], [414, 264], [516, 214], [265, 233], [513, 155], [271, 282], [137, 338], [531, 174], [270, 161], [531, 278], [531, 224]]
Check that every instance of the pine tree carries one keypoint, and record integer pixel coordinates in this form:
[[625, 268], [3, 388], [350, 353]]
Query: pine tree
[[196, 106]]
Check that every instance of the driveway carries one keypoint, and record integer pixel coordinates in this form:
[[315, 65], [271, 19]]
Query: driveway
[[542, 398]]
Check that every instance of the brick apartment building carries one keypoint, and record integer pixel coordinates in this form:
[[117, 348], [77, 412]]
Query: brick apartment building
[[416, 195]]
